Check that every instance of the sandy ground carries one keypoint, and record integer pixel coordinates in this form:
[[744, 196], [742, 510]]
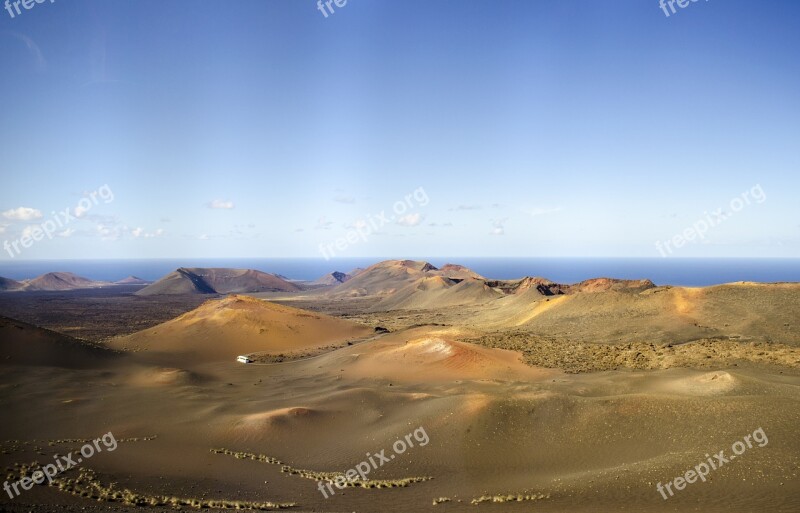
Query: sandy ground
[[568, 433]]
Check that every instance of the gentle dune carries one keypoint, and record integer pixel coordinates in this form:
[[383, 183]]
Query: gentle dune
[[164, 377], [22, 344], [223, 329], [710, 383], [431, 355]]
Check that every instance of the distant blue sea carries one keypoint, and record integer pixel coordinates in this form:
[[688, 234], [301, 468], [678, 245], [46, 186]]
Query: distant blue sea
[[662, 271]]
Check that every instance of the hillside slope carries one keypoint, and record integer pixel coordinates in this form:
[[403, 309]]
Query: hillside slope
[[222, 329], [200, 280]]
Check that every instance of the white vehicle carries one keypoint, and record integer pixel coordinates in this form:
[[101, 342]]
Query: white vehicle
[[243, 359]]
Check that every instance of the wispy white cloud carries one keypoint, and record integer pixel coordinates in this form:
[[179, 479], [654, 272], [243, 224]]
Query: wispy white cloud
[[39, 62], [108, 231], [340, 198], [28, 231], [80, 211], [467, 207], [410, 219], [221, 204], [324, 224], [22, 214], [498, 226], [140, 232]]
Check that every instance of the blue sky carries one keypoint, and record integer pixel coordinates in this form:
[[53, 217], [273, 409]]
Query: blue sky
[[547, 128]]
